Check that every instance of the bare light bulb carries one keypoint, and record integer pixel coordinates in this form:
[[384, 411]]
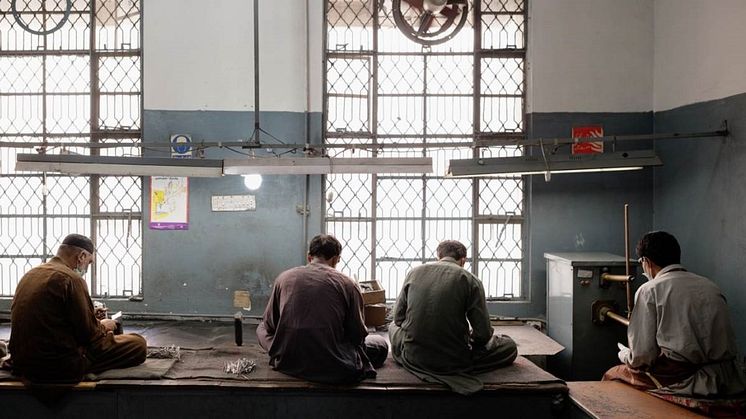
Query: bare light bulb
[[252, 182]]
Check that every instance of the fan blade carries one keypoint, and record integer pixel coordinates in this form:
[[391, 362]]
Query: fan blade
[[417, 4], [425, 21], [450, 12]]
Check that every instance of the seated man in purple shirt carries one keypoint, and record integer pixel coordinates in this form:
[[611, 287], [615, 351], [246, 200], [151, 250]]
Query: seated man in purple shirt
[[313, 325]]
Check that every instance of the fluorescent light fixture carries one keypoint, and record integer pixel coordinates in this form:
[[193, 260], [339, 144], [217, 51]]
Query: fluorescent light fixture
[[565, 163], [326, 165], [157, 166], [118, 166]]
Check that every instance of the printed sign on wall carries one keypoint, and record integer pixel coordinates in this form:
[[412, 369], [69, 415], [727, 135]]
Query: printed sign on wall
[[591, 147], [181, 146], [233, 203], [169, 203]]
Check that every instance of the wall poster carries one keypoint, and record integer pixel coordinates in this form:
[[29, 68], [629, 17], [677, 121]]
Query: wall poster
[[169, 203]]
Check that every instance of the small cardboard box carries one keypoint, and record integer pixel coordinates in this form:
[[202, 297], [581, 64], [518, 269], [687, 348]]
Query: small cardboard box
[[375, 314], [372, 291]]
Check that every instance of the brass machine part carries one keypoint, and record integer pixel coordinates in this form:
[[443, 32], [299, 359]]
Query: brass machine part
[[617, 278], [606, 312], [603, 309]]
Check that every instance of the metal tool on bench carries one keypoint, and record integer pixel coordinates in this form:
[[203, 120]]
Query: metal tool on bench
[[238, 328]]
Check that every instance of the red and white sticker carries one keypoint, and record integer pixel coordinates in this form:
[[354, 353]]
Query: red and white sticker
[[590, 147]]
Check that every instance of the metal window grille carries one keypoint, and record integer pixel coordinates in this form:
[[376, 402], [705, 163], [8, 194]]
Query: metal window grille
[[382, 88], [70, 72]]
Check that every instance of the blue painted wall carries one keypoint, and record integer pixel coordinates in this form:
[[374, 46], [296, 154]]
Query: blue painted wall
[[700, 195], [197, 271], [582, 212]]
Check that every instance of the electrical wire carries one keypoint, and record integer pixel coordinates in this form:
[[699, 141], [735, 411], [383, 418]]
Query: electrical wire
[[543, 155], [236, 151]]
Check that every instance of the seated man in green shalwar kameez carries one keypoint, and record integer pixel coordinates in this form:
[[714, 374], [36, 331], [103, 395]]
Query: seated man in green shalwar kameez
[[431, 334]]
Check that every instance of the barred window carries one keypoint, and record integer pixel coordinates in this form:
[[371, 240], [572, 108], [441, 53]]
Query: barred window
[[70, 74], [393, 97]]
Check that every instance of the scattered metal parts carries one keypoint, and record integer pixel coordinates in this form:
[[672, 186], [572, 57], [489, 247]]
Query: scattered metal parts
[[242, 367], [165, 352]]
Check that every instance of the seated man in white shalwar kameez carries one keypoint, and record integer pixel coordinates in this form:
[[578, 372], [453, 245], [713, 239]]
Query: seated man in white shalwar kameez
[[680, 336]]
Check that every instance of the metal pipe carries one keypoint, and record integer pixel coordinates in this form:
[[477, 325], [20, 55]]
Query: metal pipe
[[630, 303], [570, 140], [304, 215], [614, 316], [308, 70], [256, 71], [616, 278], [479, 142], [307, 136]]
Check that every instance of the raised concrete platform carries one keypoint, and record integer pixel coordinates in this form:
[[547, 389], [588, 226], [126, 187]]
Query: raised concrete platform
[[197, 387]]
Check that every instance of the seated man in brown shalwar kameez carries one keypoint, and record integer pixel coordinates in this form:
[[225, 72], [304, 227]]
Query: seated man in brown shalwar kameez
[[313, 325], [430, 335], [55, 335]]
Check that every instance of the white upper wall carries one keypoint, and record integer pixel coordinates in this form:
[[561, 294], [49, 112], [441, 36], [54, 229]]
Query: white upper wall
[[590, 55], [583, 55], [199, 55], [699, 51]]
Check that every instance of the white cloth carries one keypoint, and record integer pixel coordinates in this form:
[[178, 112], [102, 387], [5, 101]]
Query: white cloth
[[623, 354], [684, 317]]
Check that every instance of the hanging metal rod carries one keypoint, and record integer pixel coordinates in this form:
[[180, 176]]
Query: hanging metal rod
[[485, 139], [479, 142], [257, 129]]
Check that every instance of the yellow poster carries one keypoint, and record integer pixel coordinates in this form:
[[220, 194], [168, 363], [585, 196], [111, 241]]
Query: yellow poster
[[169, 203]]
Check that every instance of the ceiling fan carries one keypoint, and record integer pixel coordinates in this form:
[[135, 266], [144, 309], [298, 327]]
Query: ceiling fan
[[430, 22]]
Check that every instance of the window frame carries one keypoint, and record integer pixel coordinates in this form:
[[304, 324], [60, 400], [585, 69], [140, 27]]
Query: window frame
[[478, 220], [97, 91]]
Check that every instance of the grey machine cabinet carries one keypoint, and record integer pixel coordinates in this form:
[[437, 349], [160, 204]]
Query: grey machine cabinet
[[573, 285]]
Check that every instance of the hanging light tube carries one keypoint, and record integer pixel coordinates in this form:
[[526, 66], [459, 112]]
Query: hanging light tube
[[565, 163], [326, 165], [73, 164]]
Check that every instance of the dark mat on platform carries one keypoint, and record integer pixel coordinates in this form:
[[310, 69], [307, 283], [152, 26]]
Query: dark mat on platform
[[185, 333], [522, 371], [210, 364], [190, 334], [151, 369]]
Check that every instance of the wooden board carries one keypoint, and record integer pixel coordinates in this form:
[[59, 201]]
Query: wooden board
[[530, 341], [611, 399]]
